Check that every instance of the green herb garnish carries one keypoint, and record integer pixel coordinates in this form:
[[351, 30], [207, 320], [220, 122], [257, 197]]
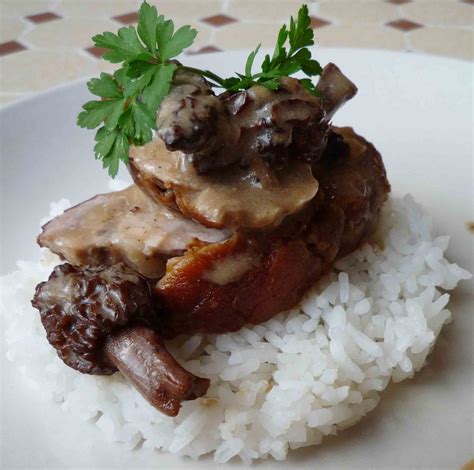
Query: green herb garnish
[[284, 62], [131, 96]]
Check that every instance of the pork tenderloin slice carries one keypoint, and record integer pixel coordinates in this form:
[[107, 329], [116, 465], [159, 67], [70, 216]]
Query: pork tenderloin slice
[[219, 288], [124, 226]]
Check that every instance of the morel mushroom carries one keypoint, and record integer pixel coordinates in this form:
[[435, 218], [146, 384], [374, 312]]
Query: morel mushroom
[[278, 126], [335, 89], [103, 319], [274, 125], [194, 120], [251, 183]]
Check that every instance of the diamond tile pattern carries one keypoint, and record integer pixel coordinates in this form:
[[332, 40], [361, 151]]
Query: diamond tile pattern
[[219, 20], [43, 17], [10, 47], [404, 25], [32, 27]]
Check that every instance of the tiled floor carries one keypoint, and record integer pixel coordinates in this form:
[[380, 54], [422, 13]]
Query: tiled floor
[[45, 43]]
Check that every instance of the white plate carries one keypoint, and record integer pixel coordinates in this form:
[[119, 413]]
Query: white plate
[[418, 112]]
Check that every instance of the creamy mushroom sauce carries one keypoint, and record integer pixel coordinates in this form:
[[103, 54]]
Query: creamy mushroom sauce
[[244, 198], [124, 226]]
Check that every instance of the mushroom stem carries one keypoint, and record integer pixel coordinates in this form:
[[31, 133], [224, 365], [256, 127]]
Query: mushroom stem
[[139, 354], [335, 88]]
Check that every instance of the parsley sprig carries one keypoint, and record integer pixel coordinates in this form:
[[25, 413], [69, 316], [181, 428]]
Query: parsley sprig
[[284, 61], [131, 96]]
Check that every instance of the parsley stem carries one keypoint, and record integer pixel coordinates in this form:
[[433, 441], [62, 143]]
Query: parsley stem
[[205, 73]]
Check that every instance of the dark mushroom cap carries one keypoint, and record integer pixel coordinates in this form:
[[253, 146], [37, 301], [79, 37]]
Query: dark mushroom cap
[[80, 307], [236, 128], [279, 126]]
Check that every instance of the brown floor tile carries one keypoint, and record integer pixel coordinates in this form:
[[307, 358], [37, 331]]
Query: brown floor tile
[[219, 20], [11, 47], [43, 17], [97, 52], [127, 18], [205, 50], [404, 25], [318, 22]]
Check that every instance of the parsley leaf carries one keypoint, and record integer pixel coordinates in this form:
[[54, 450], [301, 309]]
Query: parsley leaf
[[131, 96], [159, 86], [105, 140], [124, 46], [291, 55], [132, 86], [301, 34], [144, 122], [111, 148], [250, 61], [95, 112], [148, 21], [171, 45], [118, 152], [105, 87]]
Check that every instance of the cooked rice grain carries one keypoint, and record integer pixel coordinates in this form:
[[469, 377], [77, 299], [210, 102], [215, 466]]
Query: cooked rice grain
[[284, 384]]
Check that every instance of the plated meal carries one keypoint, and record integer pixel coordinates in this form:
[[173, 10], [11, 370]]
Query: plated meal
[[256, 287]]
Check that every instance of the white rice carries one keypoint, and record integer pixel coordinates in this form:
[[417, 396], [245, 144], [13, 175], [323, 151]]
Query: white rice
[[284, 384]]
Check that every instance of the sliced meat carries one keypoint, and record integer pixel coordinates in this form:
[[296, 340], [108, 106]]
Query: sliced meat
[[353, 177], [124, 226], [277, 267], [235, 197], [274, 282]]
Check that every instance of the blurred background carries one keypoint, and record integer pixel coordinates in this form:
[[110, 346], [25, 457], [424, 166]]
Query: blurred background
[[45, 43]]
